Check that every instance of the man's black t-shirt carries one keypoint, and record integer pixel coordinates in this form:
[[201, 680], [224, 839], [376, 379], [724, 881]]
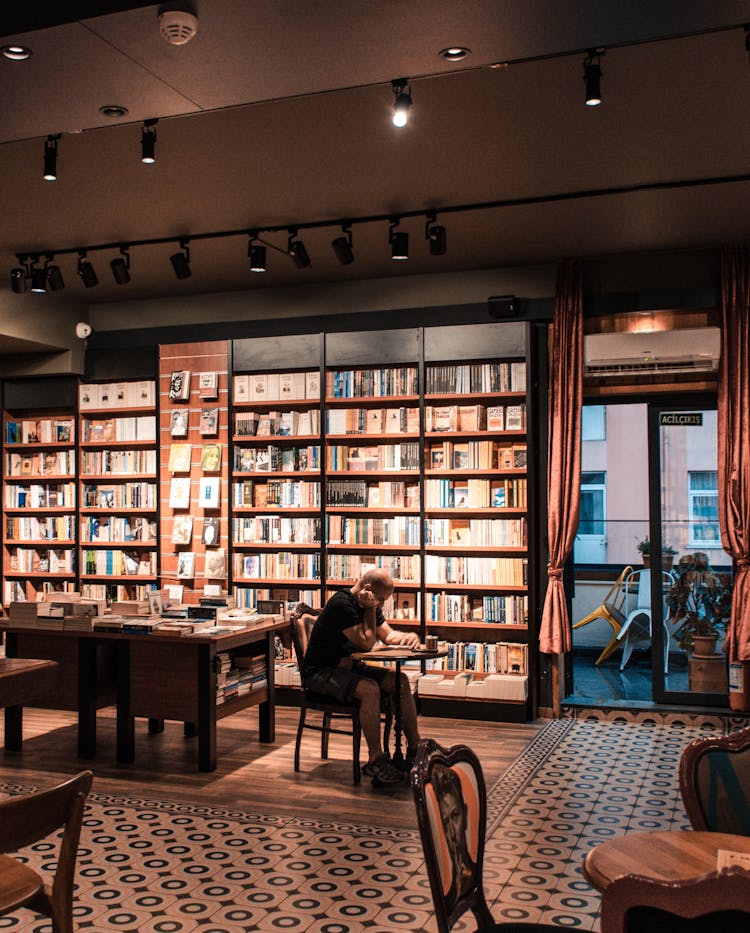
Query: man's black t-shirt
[[328, 644]]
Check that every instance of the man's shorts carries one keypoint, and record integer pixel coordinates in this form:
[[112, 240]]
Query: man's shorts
[[341, 682]]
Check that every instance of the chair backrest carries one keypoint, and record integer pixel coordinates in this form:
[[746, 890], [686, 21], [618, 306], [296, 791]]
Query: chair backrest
[[715, 782], [451, 803], [301, 622], [638, 590], [615, 595], [718, 902]]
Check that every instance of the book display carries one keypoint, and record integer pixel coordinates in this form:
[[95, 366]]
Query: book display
[[118, 494], [39, 505]]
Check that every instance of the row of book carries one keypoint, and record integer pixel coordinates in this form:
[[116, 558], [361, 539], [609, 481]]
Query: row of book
[[459, 378], [282, 493], [475, 493], [404, 568], [120, 496], [375, 457], [112, 528], [270, 529], [475, 532], [273, 459], [277, 387], [40, 495], [37, 560], [40, 431], [482, 657], [399, 530], [372, 421], [110, 562], [283, 565], [359, 493], [475, 455], [48, 463], [247, 597], [461, 607], [15, 590], [475, 571], [277, 423], [117, 395], [238, 676], [373, 383], [51, 528], [118, 462], [141, 428], [493, 418], [117, 592]]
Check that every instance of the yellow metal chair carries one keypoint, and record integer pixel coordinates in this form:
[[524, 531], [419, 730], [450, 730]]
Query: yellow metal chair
[[611, 611]]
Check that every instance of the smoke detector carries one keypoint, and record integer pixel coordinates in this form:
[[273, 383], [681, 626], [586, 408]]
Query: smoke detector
[[178, 26]]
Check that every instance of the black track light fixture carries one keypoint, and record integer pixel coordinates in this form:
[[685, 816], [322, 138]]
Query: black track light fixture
[[50, 157], [148, 142], [343, 245], [18, 277], [592, 76], [38, 276], [398, 239], [297, 250], [86, 270], [181, 261], [256, 253], [435, 235], [401, 102], [120, 266], [55, 282]]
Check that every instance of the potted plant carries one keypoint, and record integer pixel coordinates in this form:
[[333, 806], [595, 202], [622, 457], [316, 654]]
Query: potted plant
[[645, 549]]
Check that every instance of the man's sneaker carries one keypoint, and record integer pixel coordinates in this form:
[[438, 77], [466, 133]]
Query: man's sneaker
[[382, 771]]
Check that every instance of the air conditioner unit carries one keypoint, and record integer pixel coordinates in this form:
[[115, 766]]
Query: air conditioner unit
[[655, 351]]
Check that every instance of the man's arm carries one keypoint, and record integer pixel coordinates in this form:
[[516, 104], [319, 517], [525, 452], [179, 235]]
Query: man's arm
[[390, 636]]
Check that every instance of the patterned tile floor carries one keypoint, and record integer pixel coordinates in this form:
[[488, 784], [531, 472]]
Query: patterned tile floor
[[158, 866]]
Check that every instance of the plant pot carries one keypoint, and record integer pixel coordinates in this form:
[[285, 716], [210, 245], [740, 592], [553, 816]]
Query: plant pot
[[646, 559], [667, 561], [704, 646], [708, 674]]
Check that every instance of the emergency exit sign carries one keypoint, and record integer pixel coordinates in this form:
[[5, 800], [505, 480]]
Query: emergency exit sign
[[681, 419]]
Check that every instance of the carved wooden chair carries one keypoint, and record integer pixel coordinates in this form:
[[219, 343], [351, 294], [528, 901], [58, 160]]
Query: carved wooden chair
[[718, 902], [301, 624], [27, 819], [715, 782], [451, 803]]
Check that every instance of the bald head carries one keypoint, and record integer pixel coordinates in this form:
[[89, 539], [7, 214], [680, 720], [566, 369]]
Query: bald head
[[377, 580]]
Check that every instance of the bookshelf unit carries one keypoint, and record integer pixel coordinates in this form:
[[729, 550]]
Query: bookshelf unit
[[118, 501], [39, 504]]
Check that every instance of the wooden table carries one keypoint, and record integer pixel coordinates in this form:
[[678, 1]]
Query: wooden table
[[675, 855], [398, 655], [22, 681]]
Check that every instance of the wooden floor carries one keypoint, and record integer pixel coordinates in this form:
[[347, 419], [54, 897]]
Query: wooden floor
[[257, 778]]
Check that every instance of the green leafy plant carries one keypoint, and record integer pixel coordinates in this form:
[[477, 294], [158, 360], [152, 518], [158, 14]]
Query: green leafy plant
[[699, 600], [644, 547]]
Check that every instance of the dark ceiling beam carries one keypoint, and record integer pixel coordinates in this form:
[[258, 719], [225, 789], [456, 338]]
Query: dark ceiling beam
[[27, 17]]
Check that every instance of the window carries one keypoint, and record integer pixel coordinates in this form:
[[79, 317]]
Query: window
[[703, 509], [593, 503], [594, 423]]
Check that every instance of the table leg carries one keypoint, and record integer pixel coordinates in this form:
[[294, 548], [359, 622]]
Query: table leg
[[206, 710], [398, 756], [13, 728], [266, 710], [87, 675], [155, 726], [125, 719]]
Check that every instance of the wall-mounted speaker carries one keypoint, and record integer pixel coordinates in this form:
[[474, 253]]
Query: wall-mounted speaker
[[502, 306]]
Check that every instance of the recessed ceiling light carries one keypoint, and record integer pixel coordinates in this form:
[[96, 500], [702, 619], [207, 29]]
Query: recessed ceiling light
[[115, 111], [16, 53], [455, 53]]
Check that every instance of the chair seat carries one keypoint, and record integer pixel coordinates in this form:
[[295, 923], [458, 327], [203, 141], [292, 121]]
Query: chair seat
[[18, 884]]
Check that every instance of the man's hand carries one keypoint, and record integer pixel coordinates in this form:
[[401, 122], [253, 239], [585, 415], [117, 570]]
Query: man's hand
[[407, 639], [367, 599]]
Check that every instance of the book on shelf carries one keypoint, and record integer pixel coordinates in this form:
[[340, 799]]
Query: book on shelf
[[441, 418], [215, 565], [209, 421], [394, 421], [179, 492], [208, 494], [210, 532], [179, 422], [179, 458], [87, 397], [179, 385], [265, 426], [460, 495], [460, 456], [437, 458], [208, 385], [471, 417], [172, 594], [121, 395], [259, 387], [289, 424], [245, 459], [515, 417], [495, 418], [374, 421], [405, 606], [241, 389], [186, 565], [182, 529], [105, 397], [155, 602], [211, 458], [212, 591], [520, 458], [505, 458], [312, 385]]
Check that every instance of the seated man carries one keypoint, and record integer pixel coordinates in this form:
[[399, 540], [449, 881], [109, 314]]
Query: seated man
[[353, 620]]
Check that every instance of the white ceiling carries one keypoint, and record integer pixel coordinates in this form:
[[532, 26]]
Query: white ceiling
[[277, 114]]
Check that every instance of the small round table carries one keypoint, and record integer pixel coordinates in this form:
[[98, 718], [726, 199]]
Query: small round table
[[675, 855], [398, 655]]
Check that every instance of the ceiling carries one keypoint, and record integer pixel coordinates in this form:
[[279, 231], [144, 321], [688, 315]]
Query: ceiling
[[278, 114]]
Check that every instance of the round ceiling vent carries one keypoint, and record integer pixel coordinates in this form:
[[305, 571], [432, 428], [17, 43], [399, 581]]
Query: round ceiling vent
[[178, 26]]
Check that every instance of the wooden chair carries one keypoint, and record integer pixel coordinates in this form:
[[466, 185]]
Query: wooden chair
[[611, 611], [451, 803], [718, 902], [27, 819], [301, 623], [714, 779]]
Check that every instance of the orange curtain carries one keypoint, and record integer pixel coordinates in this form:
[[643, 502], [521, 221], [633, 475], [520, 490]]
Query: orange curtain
[[734, 439], [564, 468]]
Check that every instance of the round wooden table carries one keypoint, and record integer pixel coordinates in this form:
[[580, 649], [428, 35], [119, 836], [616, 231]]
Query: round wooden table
[[675, 855]]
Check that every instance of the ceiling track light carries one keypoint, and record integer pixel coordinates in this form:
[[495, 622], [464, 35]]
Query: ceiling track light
[[18, 277], [50, 157], [402, 101], [256, 253], [398, 239], [86, 270], [297, 250], [435, 235], [592, 76], [120, 266], [148, 142], [181, 261], [343, 245], [38, 276], [55, 282]]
